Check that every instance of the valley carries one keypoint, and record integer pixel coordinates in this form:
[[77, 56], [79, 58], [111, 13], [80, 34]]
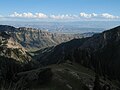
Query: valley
[[32, 59]]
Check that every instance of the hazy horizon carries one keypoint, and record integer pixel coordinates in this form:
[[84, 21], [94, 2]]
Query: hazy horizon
[[66, 27]]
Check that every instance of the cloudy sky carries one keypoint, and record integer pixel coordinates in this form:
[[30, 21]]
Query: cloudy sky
[[60, 10]]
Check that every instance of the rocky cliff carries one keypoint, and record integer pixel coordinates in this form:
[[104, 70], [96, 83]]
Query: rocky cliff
[[12, 49], [34, 39]]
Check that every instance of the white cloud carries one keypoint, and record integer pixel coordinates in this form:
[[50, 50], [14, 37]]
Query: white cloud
[[29, 15], [109, 16], [85, 15], [40, 15], [81, 16], [98, 16], [94, 14], [62, 16]]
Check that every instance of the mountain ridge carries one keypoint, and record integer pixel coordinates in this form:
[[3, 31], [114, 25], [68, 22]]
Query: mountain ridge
[[99, 52], [34, 39], [79, 64]]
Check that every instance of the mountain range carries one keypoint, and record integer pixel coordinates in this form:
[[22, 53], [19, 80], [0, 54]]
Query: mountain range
[[34, 39], [62, 61], [99, 52]]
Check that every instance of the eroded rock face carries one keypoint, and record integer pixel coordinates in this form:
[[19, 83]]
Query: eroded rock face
[[12, 49], [34, 39]]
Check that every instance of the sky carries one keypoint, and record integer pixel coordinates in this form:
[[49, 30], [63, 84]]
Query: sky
[[60, 10]]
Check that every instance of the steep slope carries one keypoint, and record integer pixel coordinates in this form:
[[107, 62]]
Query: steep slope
[[11, 49], [75, 63], [67, 76], [100, 52], [57, 54], [34, 39]]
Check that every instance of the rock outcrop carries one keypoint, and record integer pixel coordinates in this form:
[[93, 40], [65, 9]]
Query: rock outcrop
[[12, 49], [33, 39]]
